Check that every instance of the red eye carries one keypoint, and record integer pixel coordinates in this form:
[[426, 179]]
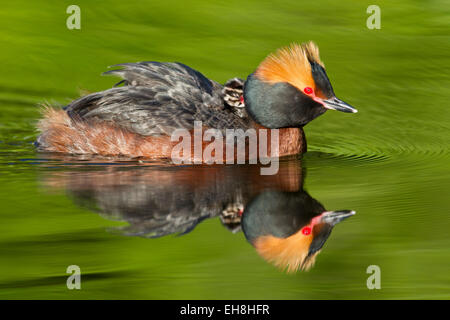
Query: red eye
[[241, 98], [308, 90], [306, 231]]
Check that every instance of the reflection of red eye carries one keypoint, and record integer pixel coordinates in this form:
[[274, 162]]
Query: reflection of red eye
[[241, 98], [308, 90], [306, 231]]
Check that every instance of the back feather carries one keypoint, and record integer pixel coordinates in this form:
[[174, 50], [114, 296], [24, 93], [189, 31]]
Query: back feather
[[157, 98]]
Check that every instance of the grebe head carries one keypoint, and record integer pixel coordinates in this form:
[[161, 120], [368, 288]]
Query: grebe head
[[290, 88]]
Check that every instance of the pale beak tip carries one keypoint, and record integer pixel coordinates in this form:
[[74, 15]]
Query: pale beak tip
[[338, 105]]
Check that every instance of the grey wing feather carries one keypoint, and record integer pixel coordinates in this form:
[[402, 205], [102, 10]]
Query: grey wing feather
[[157, 99]]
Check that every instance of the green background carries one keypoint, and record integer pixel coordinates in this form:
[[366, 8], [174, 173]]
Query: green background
[[389, 162]]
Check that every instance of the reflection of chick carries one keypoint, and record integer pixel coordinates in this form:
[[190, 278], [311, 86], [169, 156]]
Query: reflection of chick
[[289, 228], [231, 216]]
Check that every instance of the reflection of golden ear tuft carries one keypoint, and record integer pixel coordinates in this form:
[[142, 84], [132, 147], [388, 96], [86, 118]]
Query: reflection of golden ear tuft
[[290, 254], [309, 262]]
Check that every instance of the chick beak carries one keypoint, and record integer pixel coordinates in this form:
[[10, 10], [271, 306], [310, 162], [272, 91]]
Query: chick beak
[[334, 217], [339, 105]]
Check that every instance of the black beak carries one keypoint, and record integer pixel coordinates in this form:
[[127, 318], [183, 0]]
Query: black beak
[[339, 105], [334, 217]]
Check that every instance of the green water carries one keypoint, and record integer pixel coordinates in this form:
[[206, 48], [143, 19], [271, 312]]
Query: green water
[[389, 162]]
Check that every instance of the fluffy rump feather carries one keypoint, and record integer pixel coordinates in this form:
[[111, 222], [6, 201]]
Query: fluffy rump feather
[[60, 133]]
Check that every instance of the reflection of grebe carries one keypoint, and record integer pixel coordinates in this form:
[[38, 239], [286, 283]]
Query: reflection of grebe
[[274, 211], [288, 90]]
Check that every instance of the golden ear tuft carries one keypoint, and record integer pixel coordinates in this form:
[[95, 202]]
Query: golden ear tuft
[[291, 64], [312, 52]]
